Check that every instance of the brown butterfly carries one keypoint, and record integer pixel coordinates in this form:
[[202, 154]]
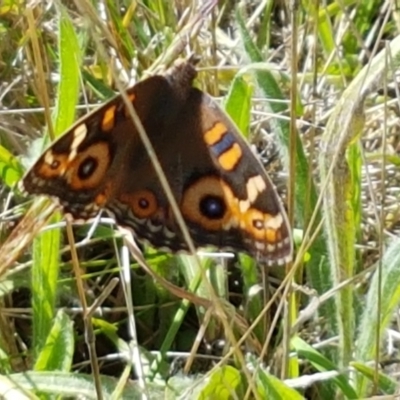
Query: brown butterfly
[[223, 192]]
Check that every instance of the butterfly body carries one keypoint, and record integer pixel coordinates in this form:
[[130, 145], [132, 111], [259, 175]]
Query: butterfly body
[[223, 192]]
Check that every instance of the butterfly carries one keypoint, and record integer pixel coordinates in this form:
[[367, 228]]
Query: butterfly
[[223, 193]]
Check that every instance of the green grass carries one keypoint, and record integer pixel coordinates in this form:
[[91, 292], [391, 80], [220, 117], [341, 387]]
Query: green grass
[[210, 328]]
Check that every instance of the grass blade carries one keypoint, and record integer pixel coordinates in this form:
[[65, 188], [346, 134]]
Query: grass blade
[[373, 318], [46, 246]]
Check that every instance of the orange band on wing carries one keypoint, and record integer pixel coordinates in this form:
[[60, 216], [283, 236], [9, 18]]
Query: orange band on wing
[[215, 134], [108, 120], [230, 158]]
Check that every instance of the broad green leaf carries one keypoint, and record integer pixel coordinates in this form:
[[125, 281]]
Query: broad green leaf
[[57, 352], [386, 384], [374, 321], [11, 170], [238, 104], [222, 384], [73, 385], [321, 363], [68, 88], [272, 388], [46, 248], [46, 245]]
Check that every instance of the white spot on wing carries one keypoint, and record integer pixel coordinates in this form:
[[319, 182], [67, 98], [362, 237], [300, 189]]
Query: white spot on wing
[[244, 205], [79, 135], [260, 246], [48, 157], [168, 233], [153, 227], [255, 186], [271, 248], [275, 222]]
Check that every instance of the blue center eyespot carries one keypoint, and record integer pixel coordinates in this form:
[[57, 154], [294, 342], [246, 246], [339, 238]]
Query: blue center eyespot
[[87, 167], [212, 207], [143, 203]]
